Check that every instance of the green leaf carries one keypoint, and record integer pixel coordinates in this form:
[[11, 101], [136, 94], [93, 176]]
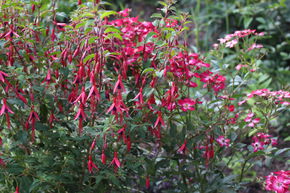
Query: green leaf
[[114, 35], [108, 13], [88, 57], [149, 36], [280, 151], [112, 29], [148, 70], [162, 3], [255, 154], [156, 15], [247, 22], [287, 138]]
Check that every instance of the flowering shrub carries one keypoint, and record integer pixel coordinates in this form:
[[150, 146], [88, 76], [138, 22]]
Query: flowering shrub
[[108, 102]]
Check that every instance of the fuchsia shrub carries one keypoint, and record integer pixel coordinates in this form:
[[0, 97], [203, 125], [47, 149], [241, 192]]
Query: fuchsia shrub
[[140, 102]]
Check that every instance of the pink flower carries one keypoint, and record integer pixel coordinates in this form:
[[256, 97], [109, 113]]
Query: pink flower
[[239, 66], [241, 102], [257, 146], [249, 119], [222, 141], [255, 46], [124, 13], [187, 104], [260, 140], [232, 43], [278, 182]]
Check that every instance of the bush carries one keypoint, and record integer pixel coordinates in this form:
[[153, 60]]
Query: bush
[[109, 103]]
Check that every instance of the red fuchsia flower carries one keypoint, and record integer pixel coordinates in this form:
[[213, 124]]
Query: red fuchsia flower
[[3, 75], [278, 182], [147, 182], [222, 141], [103, 157], [151, 101], [159, 120], [91, 164], [182, 148], [192, 84], [209, 150], [128, 143], [81, 116], [48, 78], [119, 85], [118, 108], [9, 35], [17, 189], [22, 98], [122, 133], [51, 119], [209, 153], [187, 104], [81, 113], [93, 145], [6, 110], [139, 97], [82, 97], [2, 163], [116, 161], [33, 117], [169, 101], [94, 92]]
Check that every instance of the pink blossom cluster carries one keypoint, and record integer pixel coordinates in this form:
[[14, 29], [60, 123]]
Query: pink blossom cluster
[[279, 182], [214, 81], [279, 96], [232, 39], [262, 139], [255, 46], [240, 66], [251, 120]]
